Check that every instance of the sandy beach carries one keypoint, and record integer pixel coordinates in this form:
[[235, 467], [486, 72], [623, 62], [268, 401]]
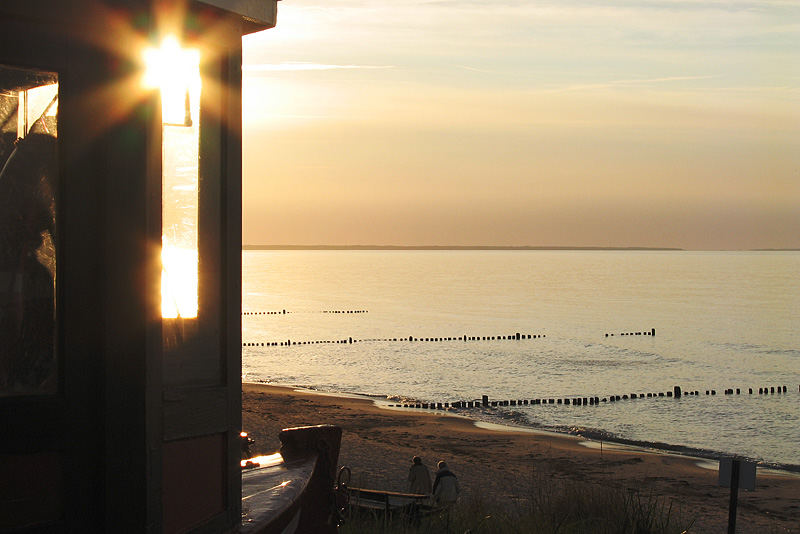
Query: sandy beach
[[493, 464]]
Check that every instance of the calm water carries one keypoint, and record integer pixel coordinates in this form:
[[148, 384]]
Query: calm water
[[722, 320]]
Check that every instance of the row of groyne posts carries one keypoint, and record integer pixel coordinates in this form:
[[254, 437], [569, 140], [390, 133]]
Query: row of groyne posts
[[651, 332], [676, 393], [288, 343], [349, 340]]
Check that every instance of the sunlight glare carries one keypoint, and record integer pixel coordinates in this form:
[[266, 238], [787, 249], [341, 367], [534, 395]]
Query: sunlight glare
[[264, 461], [178, 282], [175, 71]]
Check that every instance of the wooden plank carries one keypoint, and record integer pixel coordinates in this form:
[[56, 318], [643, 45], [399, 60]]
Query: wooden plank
[[194, 412], [193, 486], [231, 265]]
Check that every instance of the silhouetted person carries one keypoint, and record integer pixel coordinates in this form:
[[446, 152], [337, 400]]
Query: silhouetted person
[[419, 478], [445, 487], [27, 264]]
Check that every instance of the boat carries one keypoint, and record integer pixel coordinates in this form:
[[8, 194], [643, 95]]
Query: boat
[[291, 491]]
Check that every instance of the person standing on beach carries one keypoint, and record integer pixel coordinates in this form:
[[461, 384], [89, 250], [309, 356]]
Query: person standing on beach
[[445, 487], [419, 478]]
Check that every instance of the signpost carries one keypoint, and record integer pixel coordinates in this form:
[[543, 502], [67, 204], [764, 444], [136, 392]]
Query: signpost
[[735, 473]]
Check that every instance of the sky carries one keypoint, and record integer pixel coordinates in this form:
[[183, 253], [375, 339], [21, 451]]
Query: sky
[[657, 123]]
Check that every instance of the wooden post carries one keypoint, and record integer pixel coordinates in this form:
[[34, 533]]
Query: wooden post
[[734, 496]]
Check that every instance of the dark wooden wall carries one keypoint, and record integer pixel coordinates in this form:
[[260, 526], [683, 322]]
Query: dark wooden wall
[[54, 442], [136, 431]]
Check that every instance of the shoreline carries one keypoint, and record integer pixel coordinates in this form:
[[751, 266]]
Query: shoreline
[[495, 463], [590, 436]]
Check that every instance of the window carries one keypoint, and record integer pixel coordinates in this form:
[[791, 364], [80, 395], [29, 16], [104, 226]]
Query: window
[[176, 72], [28, 177]]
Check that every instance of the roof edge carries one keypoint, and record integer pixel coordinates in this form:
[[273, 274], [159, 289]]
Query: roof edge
[[257, 15]]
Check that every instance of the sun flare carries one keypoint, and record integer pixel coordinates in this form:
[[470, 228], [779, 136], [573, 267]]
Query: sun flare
[[175, 71]]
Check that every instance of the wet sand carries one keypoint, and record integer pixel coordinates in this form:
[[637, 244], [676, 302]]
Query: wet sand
[[378, 444]]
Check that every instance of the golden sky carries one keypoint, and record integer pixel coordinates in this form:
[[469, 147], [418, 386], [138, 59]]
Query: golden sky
[[671, 123]]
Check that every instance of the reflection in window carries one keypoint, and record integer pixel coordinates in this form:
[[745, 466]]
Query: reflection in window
[[176, 72], [28, 172]]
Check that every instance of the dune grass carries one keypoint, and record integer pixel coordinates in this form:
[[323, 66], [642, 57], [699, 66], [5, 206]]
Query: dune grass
[[543, 505]]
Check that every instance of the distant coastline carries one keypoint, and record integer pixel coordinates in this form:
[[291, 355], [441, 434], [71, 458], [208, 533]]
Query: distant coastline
[[437, 247]]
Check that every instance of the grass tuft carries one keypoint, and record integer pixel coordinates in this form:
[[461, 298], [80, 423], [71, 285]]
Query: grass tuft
[[541, 505]]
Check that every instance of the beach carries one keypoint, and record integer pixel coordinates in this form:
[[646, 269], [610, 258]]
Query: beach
[[497, 464]]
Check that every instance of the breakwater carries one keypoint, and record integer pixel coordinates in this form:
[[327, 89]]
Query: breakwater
[[409, 339], [578, 400]]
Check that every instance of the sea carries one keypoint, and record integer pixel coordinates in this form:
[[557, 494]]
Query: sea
[[441, 326]]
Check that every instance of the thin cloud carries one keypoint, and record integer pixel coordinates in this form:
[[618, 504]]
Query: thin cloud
[[475, 69], [302, 66], [632, 82]]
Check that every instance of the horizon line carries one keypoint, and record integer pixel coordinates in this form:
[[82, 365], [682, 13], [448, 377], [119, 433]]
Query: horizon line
[[443, 247], [502, 247]]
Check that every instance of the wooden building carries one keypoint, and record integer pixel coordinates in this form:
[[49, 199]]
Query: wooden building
[[120, 263]]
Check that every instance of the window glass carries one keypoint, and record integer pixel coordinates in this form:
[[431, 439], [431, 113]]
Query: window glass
[[28, 173], [176, 71]]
